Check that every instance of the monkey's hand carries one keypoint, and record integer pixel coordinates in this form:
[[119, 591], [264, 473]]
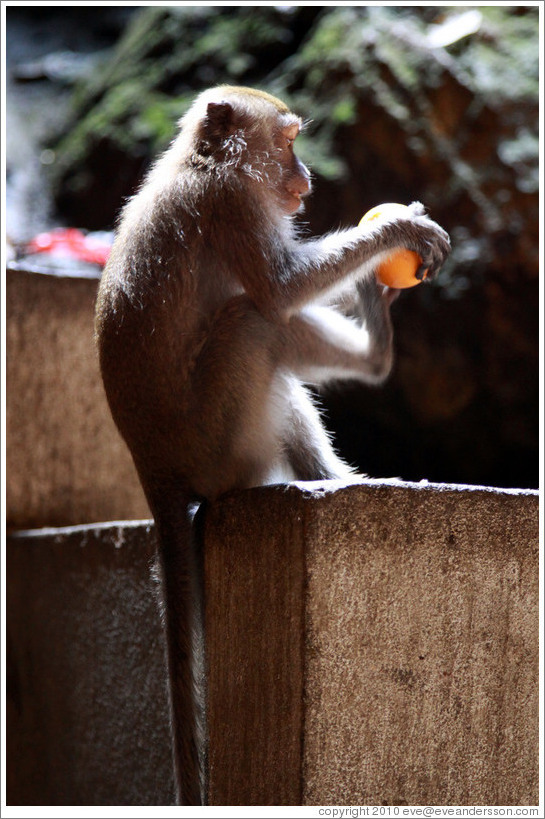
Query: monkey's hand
[[374, 310], [375, 296], [416, 231]]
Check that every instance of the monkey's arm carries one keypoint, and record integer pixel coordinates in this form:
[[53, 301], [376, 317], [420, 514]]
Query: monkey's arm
[[317, 268], [320, 344]]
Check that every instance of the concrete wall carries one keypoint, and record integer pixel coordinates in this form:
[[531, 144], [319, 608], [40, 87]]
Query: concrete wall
[[66, 463], [369, 644], [87, 704], [373, 645]]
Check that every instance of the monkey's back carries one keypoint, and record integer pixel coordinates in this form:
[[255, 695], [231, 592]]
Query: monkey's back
[[170, 274]]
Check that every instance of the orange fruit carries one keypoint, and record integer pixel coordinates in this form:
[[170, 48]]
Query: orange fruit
[[399, 269]]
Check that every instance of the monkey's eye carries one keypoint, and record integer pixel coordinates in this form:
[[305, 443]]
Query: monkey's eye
[[289, 135]]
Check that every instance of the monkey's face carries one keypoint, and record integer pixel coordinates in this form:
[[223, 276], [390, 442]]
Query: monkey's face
[[250, 133], [294, 182]]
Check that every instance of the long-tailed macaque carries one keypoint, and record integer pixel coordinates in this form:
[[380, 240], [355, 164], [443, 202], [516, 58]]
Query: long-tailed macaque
[[213, 313]]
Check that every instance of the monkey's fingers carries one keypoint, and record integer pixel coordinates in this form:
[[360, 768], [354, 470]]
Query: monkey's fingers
[[428, 270], [421, 273], [417, 209], [435, 257]]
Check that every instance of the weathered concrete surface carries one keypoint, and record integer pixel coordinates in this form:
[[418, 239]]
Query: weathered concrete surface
[[255, 634], [66, 463], [86, 705], [373, 645], [370, 644]]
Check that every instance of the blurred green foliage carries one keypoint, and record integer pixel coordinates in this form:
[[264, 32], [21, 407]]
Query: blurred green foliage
[[334, 65]]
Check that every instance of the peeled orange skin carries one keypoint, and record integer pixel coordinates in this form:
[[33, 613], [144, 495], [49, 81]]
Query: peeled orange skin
[[398, 270]]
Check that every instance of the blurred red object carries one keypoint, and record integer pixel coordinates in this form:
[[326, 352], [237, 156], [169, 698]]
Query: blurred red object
[[73, 243]]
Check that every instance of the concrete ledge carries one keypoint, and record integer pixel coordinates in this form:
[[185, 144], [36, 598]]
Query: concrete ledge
[[66, 462], [377, 644], [367, 644]]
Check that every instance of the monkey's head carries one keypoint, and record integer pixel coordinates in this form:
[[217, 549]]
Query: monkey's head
[[249, 133]]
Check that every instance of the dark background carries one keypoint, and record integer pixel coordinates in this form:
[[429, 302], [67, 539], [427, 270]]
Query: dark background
[[436, 103]]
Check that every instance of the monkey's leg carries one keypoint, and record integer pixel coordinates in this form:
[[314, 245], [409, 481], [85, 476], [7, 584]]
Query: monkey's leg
[[239, 398], [307, 445], [256, 413]]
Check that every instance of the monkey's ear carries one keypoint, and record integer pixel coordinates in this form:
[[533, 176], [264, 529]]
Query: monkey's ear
[[219, 119]]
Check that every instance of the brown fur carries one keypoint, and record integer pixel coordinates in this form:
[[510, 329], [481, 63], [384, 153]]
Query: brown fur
[[212, 314]]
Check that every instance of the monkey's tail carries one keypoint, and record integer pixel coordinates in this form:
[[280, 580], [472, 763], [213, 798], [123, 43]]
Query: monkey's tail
[[181, 583]]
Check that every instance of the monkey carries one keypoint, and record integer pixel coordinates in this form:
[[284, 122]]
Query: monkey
[[214, 315]]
